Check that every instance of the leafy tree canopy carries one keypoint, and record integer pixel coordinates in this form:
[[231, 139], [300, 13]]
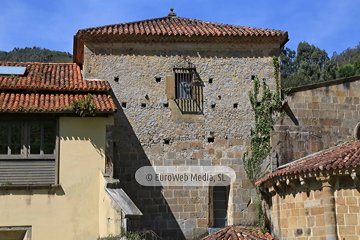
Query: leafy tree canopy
[[309, 65]]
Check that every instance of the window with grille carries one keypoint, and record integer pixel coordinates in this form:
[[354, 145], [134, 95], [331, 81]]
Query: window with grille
[[188, 88], [27, 152]]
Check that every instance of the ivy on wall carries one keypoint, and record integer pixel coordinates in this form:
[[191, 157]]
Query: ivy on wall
[[267, 107]]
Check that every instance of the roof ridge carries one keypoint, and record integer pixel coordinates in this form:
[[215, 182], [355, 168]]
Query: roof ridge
[[180, 18], [37, 63], [133, 22]]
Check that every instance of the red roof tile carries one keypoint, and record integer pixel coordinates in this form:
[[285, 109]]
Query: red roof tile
[[344, 156], [58, 102], [50, 76], [50, 87], [239, 233], [172, 25]]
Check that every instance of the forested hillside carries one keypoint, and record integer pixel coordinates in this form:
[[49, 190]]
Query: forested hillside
[[309, 64], [35, 54]]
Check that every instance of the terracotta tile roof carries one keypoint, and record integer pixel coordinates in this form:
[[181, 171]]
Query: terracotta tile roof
[[173, 29], [178, 26], [51, 88], [344, 156], [239, 233], [50, 76], [36, 102]]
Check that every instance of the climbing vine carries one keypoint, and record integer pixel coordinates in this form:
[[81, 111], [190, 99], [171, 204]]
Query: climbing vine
[[84, 107], [267, 106]]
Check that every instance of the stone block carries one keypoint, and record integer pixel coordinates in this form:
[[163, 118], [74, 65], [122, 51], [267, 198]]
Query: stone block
[[319, 231], [181, 193], [197, 155], [310, 221], [192, 162], [179, 162], [183, 201], [351, 219], [330, 122], [313, 105], [317, 211], [190, 223], [205, 162], [194, 193], [292, 222], [171, 155], [176, 208], [347, 230], [218, 154], [342, 209], [168, 162], [196, 144], [199, 231], [182, 146], [351, 200], [320, 220], [215, 161], [197, 215], [202, 222], [340, 219], [189, 208], [152, 209], [295, 212], [235, 142], [353, 209], [230, 154], [220, 142]]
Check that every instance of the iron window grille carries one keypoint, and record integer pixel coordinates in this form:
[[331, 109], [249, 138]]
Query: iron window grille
[[188, 88]]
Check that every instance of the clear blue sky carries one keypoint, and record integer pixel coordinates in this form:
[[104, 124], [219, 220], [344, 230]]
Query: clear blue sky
[[333, 25]]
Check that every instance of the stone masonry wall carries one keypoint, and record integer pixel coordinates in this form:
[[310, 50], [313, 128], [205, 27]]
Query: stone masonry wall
[[145, 135], [314, 213], [347, 213], [323, 115]]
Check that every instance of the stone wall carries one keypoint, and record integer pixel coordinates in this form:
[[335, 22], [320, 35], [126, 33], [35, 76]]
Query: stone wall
[[145, 134], [318, 116], [322, 211], [347, 213]]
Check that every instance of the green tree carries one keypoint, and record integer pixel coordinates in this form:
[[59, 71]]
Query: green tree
[[287, 63], [349, 70], [348, 56], [309, 65]]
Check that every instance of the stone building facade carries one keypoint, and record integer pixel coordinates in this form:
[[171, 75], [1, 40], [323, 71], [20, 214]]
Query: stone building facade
[[153, 128], [319, 116], [316, 197]]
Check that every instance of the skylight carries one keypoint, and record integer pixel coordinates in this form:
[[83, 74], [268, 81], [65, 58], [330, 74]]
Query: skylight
[[7, 70]]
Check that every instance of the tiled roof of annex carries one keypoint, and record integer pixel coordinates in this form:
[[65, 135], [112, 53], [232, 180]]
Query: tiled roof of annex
[[345, 156], [50, 87]]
